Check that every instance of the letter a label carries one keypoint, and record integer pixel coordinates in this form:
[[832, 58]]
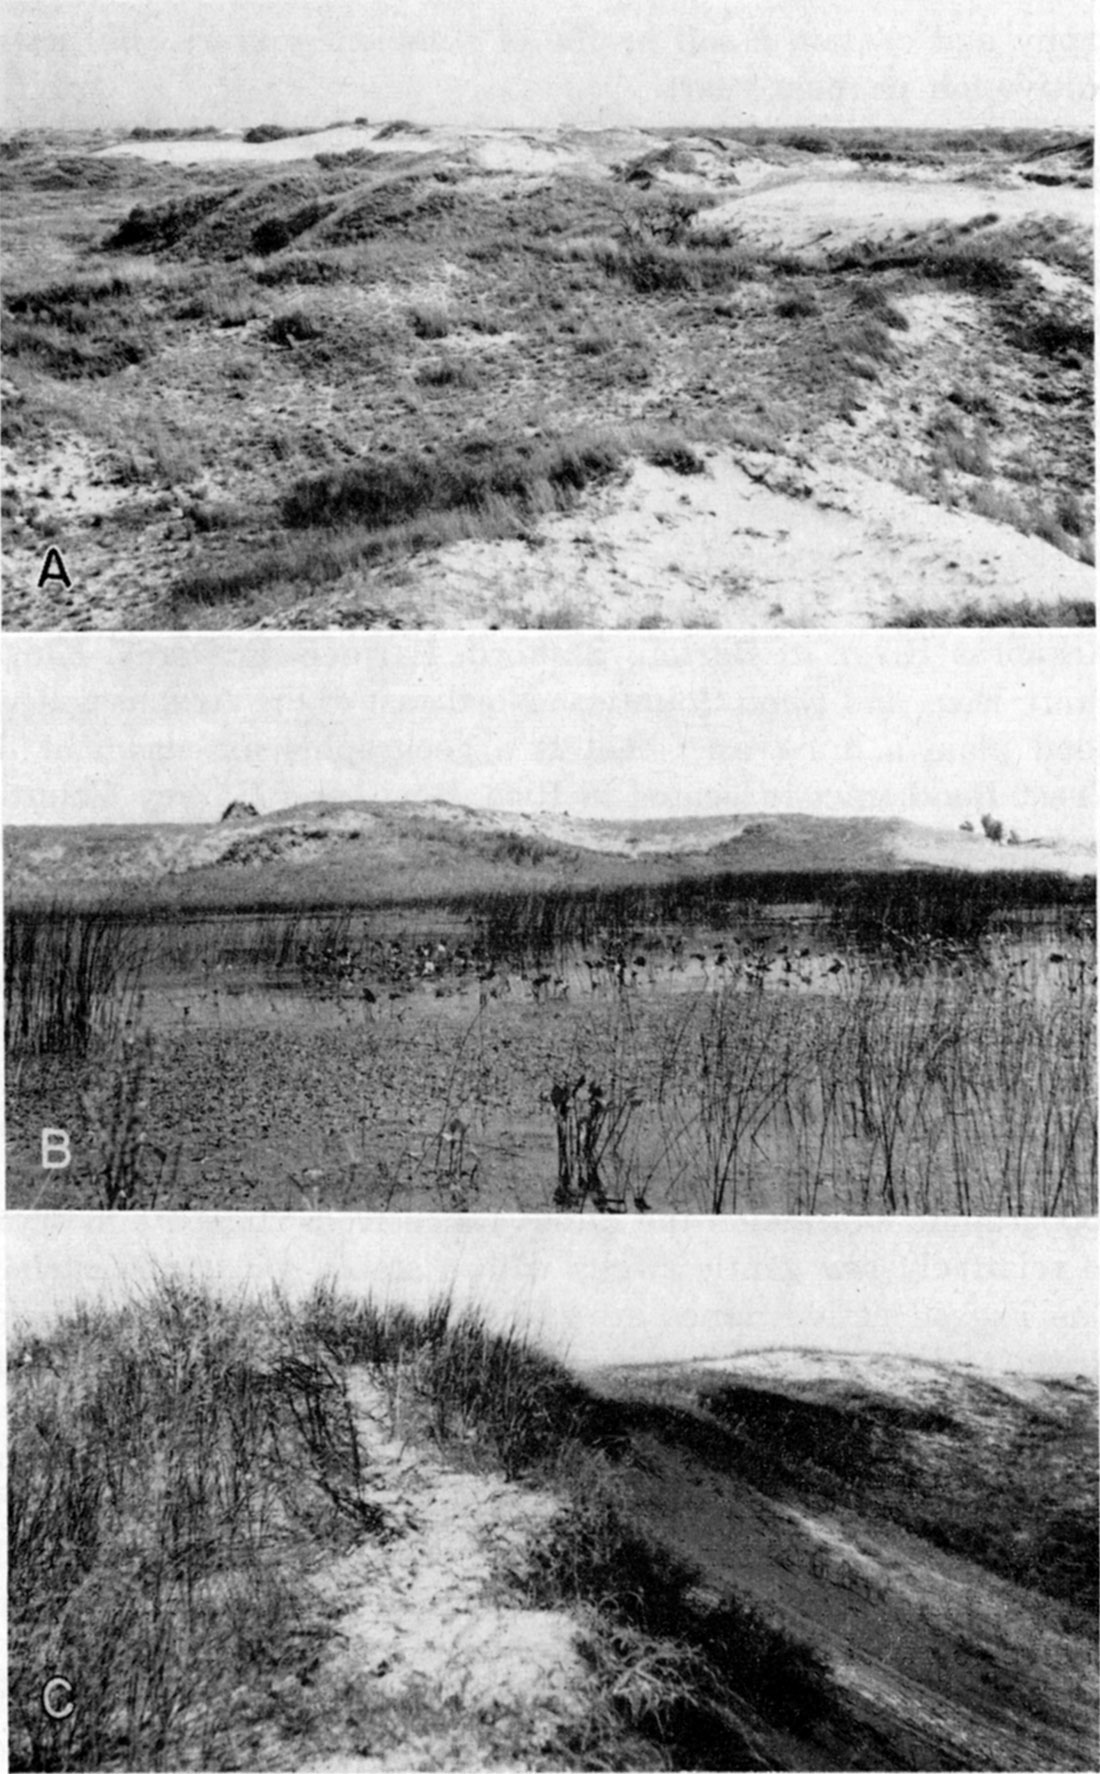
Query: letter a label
[[54, 568], [56, 1151]]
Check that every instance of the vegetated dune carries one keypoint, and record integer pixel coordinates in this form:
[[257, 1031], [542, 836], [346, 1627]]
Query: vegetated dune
[[769, 378], [370, 849], [896, 1518], [420, 1543]]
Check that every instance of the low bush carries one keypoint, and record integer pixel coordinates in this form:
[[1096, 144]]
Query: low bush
[[796, 304], [163, 226], [679, 457], [272, 132], [294, 327], [1055, 336]]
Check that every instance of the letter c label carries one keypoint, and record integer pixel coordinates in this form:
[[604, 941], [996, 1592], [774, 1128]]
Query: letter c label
[[57, 1698]]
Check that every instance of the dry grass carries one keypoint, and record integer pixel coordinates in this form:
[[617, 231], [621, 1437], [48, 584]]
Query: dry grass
[[181, 1471], [312, 301]]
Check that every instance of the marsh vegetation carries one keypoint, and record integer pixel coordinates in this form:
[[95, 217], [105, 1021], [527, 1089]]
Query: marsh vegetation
[[918, 1042]]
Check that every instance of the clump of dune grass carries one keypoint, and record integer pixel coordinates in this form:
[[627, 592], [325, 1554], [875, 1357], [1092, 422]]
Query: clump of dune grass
[[872, 299], [171, 1480], [448, 372], [392, 490], [294, 326], [1017, 613], [652, 268], [430, 320]]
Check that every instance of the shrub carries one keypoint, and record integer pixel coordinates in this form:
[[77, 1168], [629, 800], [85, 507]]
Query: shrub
[[294, 327], [679, 457], [1055, 336], [984, 271], [276, 232], [271, 132], [807, 142], [153, 230], [797, 305]]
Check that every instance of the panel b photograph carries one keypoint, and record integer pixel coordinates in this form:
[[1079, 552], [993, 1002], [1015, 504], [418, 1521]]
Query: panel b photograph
[[618, 925]]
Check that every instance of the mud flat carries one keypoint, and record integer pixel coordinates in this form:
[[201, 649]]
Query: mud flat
[[374, 1006]]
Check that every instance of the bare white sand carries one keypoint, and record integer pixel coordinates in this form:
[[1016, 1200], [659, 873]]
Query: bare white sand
[[803, 212], [757, 541], [493, 150]]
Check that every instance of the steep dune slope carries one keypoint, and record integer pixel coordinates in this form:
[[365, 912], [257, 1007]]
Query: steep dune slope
[[926, 1531]]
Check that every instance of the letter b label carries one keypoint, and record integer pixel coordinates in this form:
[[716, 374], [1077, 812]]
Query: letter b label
[[56, 1151]]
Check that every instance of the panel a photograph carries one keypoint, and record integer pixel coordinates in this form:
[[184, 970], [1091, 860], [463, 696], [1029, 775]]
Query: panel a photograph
[[607, 314], [672, 924], [510, 1494]]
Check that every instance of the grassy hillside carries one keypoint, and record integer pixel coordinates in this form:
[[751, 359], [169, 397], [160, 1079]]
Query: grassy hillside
[[268, 385]]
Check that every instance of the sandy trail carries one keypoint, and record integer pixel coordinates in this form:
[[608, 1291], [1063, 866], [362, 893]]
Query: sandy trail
[[425, 1629]]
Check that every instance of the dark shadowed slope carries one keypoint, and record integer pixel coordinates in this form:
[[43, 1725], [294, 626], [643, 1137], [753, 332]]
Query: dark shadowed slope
[[926, 1531]]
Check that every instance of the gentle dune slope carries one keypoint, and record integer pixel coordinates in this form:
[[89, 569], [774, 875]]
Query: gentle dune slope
[[438, 840]]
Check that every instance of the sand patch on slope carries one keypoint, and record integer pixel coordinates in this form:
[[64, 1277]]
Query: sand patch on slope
[[493, 150], [894, 1376], [973, 851], [835, 212], [756, 541]]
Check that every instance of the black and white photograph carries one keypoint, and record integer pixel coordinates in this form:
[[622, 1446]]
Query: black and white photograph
[[625, 924], [290, 1495], [548, 314], [548, 785]]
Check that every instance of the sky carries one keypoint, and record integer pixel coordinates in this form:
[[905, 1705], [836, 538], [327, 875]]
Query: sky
[[118, 63], [934, 726], [1001, 1294]]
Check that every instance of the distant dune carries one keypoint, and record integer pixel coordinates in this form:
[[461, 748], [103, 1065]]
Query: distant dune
[[372, 847]]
